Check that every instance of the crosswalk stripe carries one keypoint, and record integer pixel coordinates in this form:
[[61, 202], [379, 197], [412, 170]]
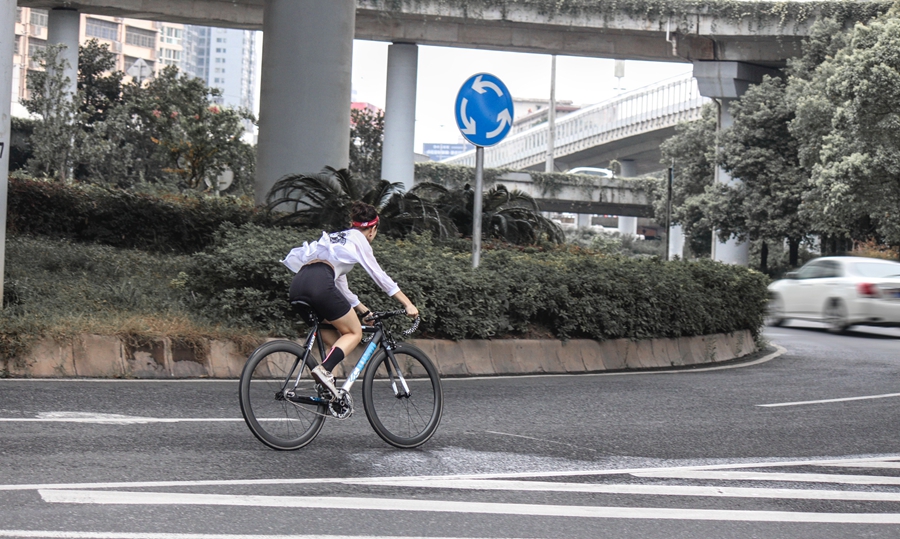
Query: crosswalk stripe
[[766, 476], [442, 506], [650, 490]]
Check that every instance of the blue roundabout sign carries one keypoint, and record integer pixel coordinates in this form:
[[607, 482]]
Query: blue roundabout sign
[[484, 110]]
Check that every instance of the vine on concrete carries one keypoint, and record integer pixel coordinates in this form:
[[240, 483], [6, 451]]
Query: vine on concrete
[[682, 12]]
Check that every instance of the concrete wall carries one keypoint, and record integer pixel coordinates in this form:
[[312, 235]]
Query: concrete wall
[[97, 356]]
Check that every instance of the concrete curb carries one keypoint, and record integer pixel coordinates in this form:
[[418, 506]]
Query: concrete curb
[[97, 356]]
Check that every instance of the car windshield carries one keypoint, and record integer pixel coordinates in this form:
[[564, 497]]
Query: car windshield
[[876, 270]]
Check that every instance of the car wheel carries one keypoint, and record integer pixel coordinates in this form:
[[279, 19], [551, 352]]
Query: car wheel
[[836, 316], [775, 312]]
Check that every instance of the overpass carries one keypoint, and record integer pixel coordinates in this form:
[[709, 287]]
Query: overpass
[[627, 128], [306, 87]]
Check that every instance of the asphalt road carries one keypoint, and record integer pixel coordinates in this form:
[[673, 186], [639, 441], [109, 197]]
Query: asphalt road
[[804, 445]]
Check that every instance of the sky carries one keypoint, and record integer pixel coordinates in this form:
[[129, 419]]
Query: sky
[[442, 70]]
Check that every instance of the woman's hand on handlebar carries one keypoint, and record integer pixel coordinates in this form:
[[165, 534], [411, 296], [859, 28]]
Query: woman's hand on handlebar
[[412, 311]]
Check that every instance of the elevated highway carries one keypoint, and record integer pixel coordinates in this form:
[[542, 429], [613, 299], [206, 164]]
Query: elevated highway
[[629, 127]]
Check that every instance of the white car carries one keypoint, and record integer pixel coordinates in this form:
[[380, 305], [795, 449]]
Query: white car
[[591, 171], [841, 291]]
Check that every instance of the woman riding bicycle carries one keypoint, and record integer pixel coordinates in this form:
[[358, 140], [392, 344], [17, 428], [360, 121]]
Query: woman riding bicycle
[[321, 269]]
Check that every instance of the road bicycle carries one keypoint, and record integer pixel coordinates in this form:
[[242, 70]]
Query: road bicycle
[[286, 408]]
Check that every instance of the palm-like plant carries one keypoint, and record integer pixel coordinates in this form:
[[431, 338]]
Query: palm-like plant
[[512, 216], [324, 200]]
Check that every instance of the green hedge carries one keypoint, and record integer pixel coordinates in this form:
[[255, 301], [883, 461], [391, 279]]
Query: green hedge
[[181, 224], [564, 293]]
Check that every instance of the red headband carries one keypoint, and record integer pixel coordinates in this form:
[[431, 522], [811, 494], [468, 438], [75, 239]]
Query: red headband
[[365, 224]]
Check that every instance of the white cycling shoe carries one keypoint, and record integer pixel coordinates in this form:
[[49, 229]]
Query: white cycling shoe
[[325, 378]]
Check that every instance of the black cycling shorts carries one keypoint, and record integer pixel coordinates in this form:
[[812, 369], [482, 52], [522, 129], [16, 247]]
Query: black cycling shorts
[[314, 284]]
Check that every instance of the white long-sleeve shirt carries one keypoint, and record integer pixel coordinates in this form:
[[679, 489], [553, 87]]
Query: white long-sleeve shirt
[[343, 250]]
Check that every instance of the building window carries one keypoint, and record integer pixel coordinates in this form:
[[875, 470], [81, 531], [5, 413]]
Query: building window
[[220, 70], [140, 37], [220, 51], [220, 40], [169, 56], [18, 14], [39, 17], [172, 35], [16, 45], [36, 45], [102, 29], [220, 60]]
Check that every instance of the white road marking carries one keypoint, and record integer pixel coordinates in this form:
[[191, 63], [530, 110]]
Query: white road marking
[[765, 476], [888, 395], [428, 478], [652, 490], [883, 465], [443, 506], [112, 419], [48, 534]]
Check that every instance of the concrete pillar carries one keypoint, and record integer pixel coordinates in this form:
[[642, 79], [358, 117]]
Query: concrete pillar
[[63, 26], [304, 116], [583, 220], [7, 37], [676, 242], [727, 81], [397, 154], [730, 251], [628, 225]]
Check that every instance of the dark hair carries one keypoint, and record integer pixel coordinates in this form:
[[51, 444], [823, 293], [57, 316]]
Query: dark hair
[[361, 212]]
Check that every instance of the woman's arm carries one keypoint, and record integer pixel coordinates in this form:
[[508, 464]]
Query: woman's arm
[[411, 309]]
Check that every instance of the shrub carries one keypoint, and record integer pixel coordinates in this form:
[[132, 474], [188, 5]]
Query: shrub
[[565, 292], [180, 224]]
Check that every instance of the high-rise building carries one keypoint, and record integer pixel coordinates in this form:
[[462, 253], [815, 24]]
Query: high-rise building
[[222, 58]]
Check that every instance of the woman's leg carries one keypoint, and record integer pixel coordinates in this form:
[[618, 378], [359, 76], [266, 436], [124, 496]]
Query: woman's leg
[[350, 334]]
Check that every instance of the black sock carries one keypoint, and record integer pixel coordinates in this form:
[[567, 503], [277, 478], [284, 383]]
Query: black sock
[[334, 357]]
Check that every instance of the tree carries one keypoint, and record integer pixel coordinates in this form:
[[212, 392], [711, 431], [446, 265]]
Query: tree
[[99, 83], [54, 137], [760, 150], [366, 140], [850, 125], [692, 153], [197, 138]]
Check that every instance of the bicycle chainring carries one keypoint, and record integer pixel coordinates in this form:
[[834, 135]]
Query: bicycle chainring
[[342, 407]]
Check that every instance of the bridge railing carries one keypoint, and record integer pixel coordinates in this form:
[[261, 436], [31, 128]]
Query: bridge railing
[[658, 106]]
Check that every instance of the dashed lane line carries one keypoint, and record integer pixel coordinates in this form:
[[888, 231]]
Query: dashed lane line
[[826, 401]]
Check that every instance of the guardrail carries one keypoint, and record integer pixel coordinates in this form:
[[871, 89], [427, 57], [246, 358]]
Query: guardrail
[[654, 107]]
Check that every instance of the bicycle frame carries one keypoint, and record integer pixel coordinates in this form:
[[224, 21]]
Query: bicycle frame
[[377, 339]]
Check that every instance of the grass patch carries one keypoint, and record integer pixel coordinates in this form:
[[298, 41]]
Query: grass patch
[[61, 289]]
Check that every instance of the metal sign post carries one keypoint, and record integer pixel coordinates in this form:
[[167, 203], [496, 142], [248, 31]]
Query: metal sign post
[[484, 115], [669, 212]]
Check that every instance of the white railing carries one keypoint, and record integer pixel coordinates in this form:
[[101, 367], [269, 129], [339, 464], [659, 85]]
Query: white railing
[[648, 109]]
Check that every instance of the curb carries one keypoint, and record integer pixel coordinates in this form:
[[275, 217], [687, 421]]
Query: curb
[[97, 356]]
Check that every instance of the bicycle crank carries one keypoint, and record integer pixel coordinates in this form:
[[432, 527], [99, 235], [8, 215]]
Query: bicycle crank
[[342, 406]]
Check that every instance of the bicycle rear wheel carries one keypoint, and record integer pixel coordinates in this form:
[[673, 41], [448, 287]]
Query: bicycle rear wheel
[[403, 419], [278, 419]]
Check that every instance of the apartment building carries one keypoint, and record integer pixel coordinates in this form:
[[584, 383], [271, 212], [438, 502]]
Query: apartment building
[[222, 58]]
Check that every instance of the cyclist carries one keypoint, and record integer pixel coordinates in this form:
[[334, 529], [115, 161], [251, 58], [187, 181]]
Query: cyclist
[[321, 269]]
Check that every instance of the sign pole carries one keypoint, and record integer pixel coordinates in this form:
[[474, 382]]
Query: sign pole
[[476, 208], [669, 211]]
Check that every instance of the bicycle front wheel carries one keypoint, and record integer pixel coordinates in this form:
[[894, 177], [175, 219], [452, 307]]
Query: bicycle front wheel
[[281, 413], [403, 419]]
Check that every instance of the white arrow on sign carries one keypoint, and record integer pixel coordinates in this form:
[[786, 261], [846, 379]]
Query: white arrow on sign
[[470, 123], [504, 118], [479, 86]]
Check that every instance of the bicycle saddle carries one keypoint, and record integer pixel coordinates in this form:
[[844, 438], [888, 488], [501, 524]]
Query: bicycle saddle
[[306, 311]]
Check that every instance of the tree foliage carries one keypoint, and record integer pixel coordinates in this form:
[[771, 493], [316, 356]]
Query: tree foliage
[[55, 135], [366, 140], [849, 123], [169, 132]]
